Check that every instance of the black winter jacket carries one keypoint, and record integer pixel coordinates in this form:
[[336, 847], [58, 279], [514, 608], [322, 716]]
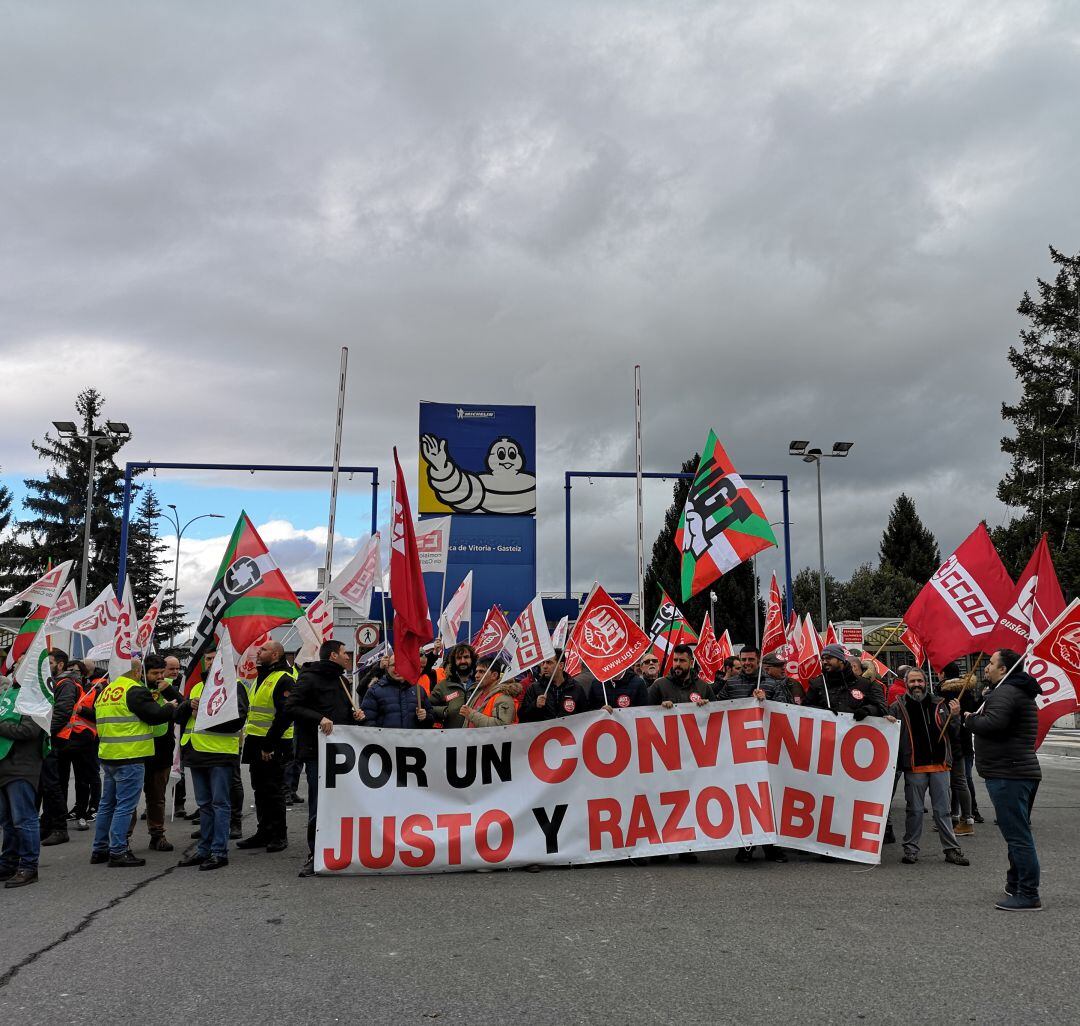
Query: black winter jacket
[[666, 689], [321, 690], [624, 693], [847, 693], [392, 703], [741, 686], [565, 699], [1007, 728]]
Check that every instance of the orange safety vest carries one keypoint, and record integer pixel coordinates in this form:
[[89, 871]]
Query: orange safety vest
[[78, 722], [488, 708]]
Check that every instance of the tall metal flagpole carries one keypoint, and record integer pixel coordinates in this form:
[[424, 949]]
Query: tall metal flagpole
[[334, 474], [640, 512]]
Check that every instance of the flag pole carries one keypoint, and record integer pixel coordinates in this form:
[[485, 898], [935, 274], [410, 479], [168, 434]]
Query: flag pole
[[334, 475], [638, 500]]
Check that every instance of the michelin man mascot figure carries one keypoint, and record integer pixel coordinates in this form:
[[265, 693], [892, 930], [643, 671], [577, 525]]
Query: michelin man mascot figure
[[505, 488]]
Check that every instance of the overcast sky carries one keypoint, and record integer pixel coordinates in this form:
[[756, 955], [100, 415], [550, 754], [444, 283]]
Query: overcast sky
[[803, 220]]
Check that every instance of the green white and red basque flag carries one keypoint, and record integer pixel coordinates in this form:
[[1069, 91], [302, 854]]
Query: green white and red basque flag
[[722, 524], [249, 596], [669, 627]]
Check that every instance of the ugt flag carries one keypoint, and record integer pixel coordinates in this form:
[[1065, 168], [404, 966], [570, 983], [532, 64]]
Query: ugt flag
[[606, 639], [773, 637], [491, 637], [959, 607], [669, 628], [722, 524], [709, 652]]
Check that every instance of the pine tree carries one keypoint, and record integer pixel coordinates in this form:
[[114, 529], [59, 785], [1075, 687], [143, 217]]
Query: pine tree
[[149, 566], [907, 546], [806, 594], [1044, 476], [7, 523], [57, 502], [734, 591]]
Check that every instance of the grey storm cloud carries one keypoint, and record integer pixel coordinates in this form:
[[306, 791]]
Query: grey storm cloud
[[803, 221]]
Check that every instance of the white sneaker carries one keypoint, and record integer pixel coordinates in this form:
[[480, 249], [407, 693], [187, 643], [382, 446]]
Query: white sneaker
[[81, 824], [970, 820]]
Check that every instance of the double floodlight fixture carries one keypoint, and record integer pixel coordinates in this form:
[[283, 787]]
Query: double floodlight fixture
[[800, 447], [117, 430]]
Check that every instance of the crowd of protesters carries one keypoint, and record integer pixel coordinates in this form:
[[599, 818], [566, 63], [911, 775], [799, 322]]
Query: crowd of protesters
[[120, 740]]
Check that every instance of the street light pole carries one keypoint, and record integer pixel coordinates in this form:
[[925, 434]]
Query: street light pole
[[808, 455], [85, 597], [115, 430], [176, 562], [821, 547]]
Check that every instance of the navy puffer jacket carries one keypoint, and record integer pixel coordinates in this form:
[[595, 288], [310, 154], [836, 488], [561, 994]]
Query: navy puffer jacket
[[1007, 728], [392, 703]]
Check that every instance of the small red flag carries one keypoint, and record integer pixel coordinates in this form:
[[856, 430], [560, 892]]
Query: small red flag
[[412, 625], [605, 639], [773, 637], [1055, 664], [492, 634], [1036, 603], [708, 651]]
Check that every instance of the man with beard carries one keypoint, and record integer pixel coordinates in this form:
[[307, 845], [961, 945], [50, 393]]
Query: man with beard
[[268, 739], [320, 701], [494, 701], [449, 694], [649, 668], [552, 695], [841, 691], [926, 757], [682, 684], [1006, 728]]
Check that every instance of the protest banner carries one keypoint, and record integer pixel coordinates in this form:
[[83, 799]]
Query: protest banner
[[600, 787]]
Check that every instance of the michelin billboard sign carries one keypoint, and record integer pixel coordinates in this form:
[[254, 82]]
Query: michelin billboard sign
[[478, 463], [477, 459]]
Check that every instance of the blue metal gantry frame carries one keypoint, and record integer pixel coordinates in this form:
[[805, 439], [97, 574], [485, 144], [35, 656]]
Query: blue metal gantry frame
[[782, 478], [130, 468]]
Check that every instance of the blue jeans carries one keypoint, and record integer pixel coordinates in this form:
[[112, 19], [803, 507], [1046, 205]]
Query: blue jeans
[[1013, 800], [120, 793], [311, 774], [19, 822], [212, 785]]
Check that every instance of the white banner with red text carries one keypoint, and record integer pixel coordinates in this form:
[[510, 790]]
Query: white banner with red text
[[604, 786]]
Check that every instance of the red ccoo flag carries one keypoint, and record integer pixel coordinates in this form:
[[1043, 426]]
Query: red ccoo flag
[[1036, 603], [958, 608], [1055, 663], [412, 626], [773, 637]]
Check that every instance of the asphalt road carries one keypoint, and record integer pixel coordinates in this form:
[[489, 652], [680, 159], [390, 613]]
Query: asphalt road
[[616, 943]]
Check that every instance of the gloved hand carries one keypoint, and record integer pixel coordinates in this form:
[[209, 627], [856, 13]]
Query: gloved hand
[[860, 713]]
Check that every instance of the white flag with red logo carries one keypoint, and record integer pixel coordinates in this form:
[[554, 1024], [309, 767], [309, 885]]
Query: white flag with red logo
[[148, 624], [773, 637], [708, 651], [96, 621], [491, 638], [1055, 663], [35, 698], [794, 644], [809, 652], [457, 609], [315, 627], [1036, 604], [606, 640], [562, 628], [433, 544], [248, 667], [356, 582], [123, 644], [958, 609], [218, 702], [45, 590], [915, 646], [529, 642]]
